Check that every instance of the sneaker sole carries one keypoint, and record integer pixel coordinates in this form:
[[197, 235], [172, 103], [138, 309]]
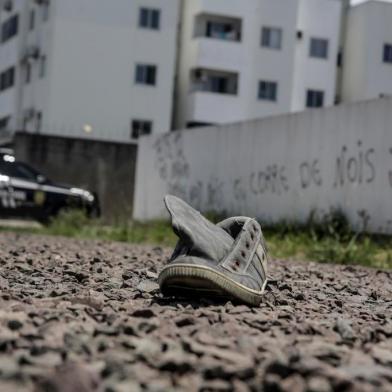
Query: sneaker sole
[[192, 280]]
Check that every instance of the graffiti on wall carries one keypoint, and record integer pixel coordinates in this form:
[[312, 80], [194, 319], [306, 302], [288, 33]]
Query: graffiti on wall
[[355, 167], [171, 163], [352, 165], [271, 179], [310, 174]]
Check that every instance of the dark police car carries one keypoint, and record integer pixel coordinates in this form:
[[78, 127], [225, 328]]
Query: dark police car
[[25, 192]]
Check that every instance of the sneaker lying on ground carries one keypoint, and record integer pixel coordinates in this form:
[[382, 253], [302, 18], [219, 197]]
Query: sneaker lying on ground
[[225, 260]]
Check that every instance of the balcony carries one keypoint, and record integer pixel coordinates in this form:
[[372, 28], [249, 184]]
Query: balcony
[[213, 97], [218, 27], [214, 81], [31, 53], [209, 108]]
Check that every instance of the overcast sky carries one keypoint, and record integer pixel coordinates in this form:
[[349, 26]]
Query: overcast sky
[[361, 1]]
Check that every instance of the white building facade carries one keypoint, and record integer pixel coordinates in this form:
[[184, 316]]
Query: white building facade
[[246, 59], [118, 70], [367, 71], [87, 68]]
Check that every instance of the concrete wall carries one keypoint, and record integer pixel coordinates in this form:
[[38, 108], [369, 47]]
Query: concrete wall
[[103, 167], [277, 168]]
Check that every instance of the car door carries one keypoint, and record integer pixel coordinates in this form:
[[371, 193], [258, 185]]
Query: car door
[[22, 189], [5, 201]]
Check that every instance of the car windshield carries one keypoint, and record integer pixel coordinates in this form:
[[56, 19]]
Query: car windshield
[[18, 170]]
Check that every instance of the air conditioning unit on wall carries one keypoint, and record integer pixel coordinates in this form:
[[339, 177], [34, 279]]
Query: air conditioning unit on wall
[[29, 114], [8, 5], [31, 53]]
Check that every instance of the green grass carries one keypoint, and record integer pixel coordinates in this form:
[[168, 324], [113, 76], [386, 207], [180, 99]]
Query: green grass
[[76, 224], [373, 251], [328, 241]]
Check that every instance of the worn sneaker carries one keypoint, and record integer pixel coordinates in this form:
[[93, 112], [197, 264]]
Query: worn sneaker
[[224, 260]]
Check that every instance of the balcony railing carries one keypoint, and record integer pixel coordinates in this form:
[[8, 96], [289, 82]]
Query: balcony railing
[[218, 27], [219, 82]]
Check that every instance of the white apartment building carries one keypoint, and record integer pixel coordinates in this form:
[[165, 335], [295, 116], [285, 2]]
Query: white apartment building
[[90, 68], [367, 71], [118, 69], [254, 58]]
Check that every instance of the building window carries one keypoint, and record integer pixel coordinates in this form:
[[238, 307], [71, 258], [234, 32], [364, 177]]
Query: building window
[[28, 73], [271, 37], [45, 11], [219, 84], [146, 74], [38, 122], [9, 28], [42, 66], [318, 48], [140, 127], [387, 53], [314, 99], [214, 81], [268, 90], [32, 20], [7, 79], [149, 18], [198, 124], [223, 30], [4, 123], [339, 59]]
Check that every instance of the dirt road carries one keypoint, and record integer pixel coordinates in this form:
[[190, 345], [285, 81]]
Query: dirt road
[[88, 316]]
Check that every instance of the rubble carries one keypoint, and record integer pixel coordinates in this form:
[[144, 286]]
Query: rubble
[[88, 316]]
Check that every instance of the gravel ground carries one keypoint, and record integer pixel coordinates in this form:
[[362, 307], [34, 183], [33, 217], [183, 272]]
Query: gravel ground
[[80, 316]]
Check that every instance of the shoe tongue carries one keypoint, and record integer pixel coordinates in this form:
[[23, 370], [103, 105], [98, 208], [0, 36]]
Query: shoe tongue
[[200, 236]]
